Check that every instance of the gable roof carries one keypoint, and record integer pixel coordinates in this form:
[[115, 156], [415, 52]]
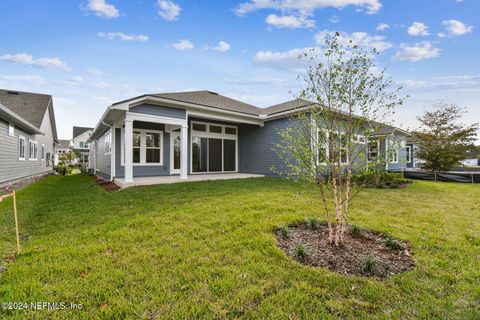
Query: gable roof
[[63, 144], [79, 130], [210, 99], [29, 109], [286, 106]]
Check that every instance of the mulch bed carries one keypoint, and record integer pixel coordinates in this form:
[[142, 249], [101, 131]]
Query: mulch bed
[[349, 258], [106, 185]]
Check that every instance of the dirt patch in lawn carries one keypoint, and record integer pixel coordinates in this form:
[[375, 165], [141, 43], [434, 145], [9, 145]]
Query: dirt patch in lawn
[[108, 186], [363, 253]]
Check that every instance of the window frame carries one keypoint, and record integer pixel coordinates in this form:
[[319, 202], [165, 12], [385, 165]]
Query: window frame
[[207, 134], [143, 149], [108, 143], [34, 144], [392, 152], [24, 147], [42, 152], [11, 129]]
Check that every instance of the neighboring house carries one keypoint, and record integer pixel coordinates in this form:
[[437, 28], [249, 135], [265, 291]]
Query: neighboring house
[[472, 158], [62, 148], [80, 143], [187, 133], [27, 136]]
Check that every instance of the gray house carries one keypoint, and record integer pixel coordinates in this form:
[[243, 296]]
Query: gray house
[[27, 136], [184, 134]]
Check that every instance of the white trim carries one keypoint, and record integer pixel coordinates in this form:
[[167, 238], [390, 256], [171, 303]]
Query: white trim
[[11, 129], [108, 142], [33, 143], [42, 152], [24, 147], [173, 135], [408, 157], [207, 134], [143, 148], [133, 116]]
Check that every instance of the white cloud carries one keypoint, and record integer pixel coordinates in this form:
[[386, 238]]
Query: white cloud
[[305, 7], [35, 80], [334, 19], [286, 60], [289, 21], [183, 44], [222, 46], [123, 36], [361, 39], [456, 28], [28, 60], [94, 72], [441, 35], [457, 83], [102, 9], [382, 27], [418, 29], [76, 79], [420, 51], [168, 10]]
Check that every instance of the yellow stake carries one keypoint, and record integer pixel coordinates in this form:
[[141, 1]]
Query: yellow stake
[[14, 196]]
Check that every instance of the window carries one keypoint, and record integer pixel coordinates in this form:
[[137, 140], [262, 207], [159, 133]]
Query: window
[[152, 146], [213, 148], [322, 145], [33, 148], [108, 143], [373, 149], [11, 129], [392, 152], [84, 145], [408, 156], [42, 154], [21, 148], [360, 139], [340, 149], [147, 147]]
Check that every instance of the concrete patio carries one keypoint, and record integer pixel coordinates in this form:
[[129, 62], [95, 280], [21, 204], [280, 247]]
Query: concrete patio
[[145, 181]]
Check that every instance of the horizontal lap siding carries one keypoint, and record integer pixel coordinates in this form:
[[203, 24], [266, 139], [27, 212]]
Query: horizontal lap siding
[[257, 148], [11, 168], [144, 171], [159, 111], [103, 164]]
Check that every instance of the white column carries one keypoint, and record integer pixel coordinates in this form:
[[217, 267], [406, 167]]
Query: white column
[[128, 151], [184, 152]]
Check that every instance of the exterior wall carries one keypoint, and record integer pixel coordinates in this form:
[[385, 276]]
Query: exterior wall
[[402, 154], [143, 171], [81, 137], [257, 147], [160, 111], [103, 164], [11, 168], [59, 153]]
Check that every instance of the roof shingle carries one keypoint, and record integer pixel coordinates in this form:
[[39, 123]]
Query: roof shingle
[[79, 130], [30, 106]]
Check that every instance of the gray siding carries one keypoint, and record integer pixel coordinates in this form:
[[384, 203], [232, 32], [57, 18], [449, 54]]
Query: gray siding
[[160, 111], [257, 147], [11, 168], [103, 163], [144, 171]]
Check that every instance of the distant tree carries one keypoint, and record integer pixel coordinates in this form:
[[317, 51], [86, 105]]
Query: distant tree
[[443, 141], [327, 144]]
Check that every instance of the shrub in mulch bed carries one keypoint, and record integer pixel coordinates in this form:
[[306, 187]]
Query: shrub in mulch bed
[[106, 185], [363, 252]]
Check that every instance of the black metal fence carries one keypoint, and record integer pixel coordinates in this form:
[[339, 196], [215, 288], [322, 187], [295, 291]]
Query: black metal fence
[[450, 176]]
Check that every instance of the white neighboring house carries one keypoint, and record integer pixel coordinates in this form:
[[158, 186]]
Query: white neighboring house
[[80, 142], [61, 149]]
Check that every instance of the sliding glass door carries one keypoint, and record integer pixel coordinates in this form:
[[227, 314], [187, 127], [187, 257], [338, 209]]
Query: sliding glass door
[[214, 148]]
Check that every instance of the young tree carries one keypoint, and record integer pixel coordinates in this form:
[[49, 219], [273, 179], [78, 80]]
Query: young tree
[[443, 141], [327, 144], [70, 157]]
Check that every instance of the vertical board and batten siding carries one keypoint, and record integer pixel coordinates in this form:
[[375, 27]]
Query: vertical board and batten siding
[[103, 164], [11, 168], [160, 111], [257, 148], [149, 170]]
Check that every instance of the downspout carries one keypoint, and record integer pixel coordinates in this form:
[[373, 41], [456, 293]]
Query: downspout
[[111, 153]]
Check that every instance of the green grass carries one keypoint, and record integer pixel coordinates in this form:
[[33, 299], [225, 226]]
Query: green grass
[[208, 250]]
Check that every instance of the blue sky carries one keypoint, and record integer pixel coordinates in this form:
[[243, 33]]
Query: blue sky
[[91, 53]]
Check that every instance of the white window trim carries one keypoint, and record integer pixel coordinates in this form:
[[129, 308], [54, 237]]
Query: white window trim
[[208, 134], [368, 150], [392, 152], [108, 146], [143, 149], [24, 147], [42, 152], [35, 144], [11, 129], [408, 156]]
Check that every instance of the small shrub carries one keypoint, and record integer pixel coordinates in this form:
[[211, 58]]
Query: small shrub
[[393, 243], [301, 252], [312, 223], [369, 264], [356, 230], [282, 231]]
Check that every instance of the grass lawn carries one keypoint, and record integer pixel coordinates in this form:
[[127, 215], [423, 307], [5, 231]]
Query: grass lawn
[[207, 250]]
